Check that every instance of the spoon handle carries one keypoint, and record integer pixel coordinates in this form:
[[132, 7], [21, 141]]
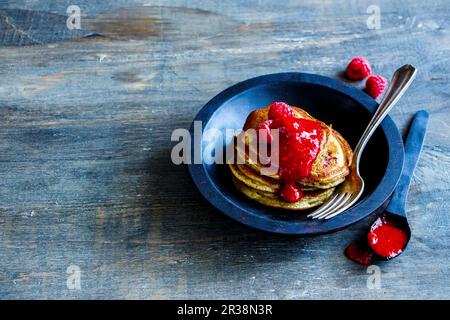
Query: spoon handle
[[413, 147], [401, 80]]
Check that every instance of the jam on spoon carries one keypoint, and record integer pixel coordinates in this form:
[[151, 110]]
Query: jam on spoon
[[390, 233], [386, 238]]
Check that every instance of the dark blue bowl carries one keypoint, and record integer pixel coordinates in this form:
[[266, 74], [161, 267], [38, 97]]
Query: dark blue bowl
[[347, 109]]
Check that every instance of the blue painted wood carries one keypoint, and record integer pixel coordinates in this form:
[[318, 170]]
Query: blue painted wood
[[19, 27], [413, 148], [381, 165], [86, 177]]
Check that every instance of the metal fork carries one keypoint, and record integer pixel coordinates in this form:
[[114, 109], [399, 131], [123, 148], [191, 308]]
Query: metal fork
[[353, 186]]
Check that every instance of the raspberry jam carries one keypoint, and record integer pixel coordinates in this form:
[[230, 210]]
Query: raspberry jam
[[299, 146], [291, 193], [360, 253], [265, 130], [280, 110], [386, 238]]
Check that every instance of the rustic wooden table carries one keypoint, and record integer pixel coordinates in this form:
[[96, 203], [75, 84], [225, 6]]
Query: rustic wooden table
[[87, 187]]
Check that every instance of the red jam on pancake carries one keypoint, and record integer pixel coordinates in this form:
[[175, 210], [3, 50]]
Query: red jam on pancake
[[296, 167], [299, 146]]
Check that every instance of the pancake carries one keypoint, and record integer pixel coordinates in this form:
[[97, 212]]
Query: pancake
[[328, 170], [254, 180], [309, 200], [331, 165]]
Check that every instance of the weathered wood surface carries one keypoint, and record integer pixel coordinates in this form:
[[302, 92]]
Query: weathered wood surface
[[86, 177]]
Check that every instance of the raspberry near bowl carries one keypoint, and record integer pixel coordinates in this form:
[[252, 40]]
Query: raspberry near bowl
[[358, 68], [375, 86]]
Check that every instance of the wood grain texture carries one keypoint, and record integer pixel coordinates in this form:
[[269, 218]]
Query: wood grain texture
[[86, 177]]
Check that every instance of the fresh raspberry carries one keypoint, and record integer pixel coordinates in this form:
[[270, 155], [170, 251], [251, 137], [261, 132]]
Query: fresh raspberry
[[280, 110], [360, 253], [264, 128], [358, 68], [375, 85], [291, 193]]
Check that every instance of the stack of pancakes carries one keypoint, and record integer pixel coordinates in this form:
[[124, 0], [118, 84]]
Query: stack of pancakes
[[329, 169]]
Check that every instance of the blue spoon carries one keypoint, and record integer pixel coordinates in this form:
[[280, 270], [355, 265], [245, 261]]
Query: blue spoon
[[396, 210]]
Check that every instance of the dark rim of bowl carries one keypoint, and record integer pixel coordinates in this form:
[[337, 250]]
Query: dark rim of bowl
[[361, 210]]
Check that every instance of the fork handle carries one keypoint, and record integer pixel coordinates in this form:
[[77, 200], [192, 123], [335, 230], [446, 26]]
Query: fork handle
[[401, 80]]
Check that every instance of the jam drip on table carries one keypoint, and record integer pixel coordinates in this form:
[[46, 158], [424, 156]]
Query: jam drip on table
[[360, 253], [299, 146]]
